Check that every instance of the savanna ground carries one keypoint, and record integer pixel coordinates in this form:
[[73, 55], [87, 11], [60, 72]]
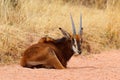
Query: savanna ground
[[24, 22], [103, 66]]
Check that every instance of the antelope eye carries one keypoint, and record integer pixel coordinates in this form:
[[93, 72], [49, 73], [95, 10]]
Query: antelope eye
[[73, 41]]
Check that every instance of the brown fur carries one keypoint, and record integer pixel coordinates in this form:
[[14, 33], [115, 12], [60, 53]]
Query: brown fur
[[46, 39], [48, 53]]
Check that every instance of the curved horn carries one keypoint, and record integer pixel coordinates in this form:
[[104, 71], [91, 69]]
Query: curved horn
[[73, 25], [81, 28]]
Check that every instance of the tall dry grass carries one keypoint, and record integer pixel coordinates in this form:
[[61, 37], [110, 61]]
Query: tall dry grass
[[24, 22]]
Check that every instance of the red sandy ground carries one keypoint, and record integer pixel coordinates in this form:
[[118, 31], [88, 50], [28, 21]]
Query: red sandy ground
[[104, 66]]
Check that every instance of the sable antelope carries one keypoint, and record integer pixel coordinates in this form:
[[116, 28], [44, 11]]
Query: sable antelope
[[54, 53]]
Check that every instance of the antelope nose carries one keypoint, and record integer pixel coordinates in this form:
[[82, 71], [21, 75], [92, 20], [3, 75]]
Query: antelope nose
[[80, 52]]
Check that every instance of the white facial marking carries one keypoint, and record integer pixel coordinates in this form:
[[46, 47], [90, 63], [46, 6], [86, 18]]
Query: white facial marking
[[75, 47]]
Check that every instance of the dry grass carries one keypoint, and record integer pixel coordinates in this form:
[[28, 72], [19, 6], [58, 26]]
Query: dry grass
[[26, 21]]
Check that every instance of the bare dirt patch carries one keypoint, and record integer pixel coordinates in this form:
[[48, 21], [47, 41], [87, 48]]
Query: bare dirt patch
[[104, 66]]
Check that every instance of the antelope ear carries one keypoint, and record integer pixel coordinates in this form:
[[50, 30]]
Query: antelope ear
[[65, 33]]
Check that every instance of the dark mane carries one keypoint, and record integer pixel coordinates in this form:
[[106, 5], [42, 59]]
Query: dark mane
[[63, 39]]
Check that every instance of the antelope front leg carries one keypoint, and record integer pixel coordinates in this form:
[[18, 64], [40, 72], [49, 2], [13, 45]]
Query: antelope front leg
[[54, 61]]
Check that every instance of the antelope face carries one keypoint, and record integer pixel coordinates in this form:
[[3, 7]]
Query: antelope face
[[76, 44], [76, 39]]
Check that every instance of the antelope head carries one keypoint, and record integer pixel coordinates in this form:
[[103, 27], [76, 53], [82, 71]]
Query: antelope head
[[76, 39]]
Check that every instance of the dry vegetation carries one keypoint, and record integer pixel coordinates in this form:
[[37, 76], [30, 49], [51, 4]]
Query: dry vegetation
[[23, 22]]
